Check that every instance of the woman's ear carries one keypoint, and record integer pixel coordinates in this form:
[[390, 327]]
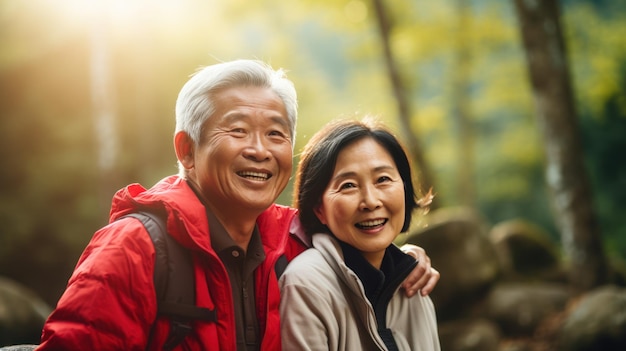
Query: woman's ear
[[184, 146], [319, 213]]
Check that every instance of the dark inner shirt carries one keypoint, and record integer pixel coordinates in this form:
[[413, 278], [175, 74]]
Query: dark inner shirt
[[240, 267], [380, 285]]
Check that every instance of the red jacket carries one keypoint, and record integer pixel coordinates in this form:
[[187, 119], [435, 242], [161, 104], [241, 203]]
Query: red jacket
[[110, 300]]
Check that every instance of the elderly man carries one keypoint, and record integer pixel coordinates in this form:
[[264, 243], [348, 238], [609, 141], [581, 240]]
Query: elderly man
[[235, 127]]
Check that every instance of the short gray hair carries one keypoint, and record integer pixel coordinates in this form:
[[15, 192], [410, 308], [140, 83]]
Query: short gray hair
[[195, 101]]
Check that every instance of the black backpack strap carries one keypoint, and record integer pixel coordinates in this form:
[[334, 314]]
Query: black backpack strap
[[174, 280], [281, 265]]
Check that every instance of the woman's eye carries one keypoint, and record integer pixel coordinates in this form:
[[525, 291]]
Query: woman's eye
[[384, 179], [347, 186]]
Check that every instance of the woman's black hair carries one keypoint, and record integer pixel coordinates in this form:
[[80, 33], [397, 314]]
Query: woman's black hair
[[318, 160]]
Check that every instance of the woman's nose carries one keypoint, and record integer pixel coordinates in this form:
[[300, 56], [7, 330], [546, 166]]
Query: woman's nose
[[369, 199]]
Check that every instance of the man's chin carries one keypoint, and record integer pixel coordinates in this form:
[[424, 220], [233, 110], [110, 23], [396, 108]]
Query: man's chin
[[257, 203]]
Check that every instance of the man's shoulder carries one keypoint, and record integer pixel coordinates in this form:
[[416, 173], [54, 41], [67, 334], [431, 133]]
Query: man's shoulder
[[281, 209], [277, 216], [171, 193]]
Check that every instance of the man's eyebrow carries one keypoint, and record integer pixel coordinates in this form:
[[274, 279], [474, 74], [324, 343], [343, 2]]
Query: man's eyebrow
[[237, 116], [234, 116], [285, 122]]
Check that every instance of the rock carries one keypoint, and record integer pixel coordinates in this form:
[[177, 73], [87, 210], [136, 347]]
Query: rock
[[469, 335], [526, 252], [22, 314], [18, 348], [519, 308], [517, 345], [457, 243], [596, 322]]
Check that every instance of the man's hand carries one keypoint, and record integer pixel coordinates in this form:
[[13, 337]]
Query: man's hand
[[424, 277]]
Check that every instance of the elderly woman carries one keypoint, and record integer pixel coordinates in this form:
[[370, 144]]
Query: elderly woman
[[355, 194]]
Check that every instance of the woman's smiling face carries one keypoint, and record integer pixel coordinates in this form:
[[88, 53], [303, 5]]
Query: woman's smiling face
[[363, 204]]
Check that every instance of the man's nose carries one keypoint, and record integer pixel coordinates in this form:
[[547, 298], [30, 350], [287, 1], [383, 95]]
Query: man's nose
[[256, 149]]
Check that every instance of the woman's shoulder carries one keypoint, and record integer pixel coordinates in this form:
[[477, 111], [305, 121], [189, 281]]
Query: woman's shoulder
[[310, 261], [310, 274], [313, 264]]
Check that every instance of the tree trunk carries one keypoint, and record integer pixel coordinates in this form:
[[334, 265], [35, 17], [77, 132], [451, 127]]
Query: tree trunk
[[404, 109], [465, 188], [565, 171], [103, 103]]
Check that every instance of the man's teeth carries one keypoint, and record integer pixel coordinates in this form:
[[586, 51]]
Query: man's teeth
[[254, 175], [372, 223]]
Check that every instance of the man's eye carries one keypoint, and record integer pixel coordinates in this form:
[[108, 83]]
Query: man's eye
[[277, 133]]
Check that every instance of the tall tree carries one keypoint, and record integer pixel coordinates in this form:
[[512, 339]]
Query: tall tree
[[103, 103], [565, 171], [460, 105], [401, 94]]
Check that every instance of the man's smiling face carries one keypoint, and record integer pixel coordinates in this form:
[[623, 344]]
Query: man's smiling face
[[244, 158]]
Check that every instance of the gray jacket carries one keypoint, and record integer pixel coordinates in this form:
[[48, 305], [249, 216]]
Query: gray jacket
[[324, 307]]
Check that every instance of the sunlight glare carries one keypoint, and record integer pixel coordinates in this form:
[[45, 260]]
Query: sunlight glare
[[120, 14], [355, 11]]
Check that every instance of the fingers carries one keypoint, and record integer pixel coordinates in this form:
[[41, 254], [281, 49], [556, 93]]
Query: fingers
[[412, 283], [432, 281], [418, 278], [417, 252], [423, 278]]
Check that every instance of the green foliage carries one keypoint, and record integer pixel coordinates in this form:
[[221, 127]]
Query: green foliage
[[604, 145], [598, 55], [53, 197]]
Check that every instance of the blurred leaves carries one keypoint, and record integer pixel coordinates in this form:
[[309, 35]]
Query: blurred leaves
[[52, 197]]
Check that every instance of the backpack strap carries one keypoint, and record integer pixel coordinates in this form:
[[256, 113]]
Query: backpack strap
[[281, 265], [174, 280]]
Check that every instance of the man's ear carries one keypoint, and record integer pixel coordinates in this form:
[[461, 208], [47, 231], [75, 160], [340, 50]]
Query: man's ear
[[184, 146]]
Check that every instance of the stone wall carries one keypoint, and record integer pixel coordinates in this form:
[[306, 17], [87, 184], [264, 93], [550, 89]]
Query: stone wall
[[504, 288]]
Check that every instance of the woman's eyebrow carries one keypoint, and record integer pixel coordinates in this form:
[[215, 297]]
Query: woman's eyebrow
[[349, 174]]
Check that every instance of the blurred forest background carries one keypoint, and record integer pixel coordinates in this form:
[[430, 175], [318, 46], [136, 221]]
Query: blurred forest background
[[87, 94]]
